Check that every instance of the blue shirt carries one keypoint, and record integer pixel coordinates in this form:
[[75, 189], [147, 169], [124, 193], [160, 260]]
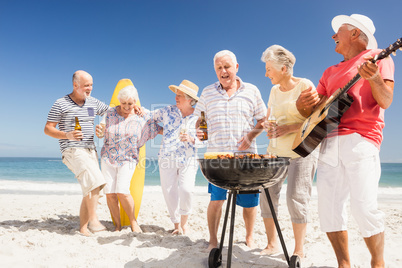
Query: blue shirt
[[172, 120]]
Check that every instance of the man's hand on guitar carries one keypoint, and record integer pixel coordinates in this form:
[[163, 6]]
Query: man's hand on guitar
[[369, 70], [306, 102]]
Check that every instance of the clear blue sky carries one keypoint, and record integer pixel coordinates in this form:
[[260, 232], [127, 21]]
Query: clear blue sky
[[159, 43]]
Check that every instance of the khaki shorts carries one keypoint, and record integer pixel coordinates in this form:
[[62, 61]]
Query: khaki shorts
[[84, 164]]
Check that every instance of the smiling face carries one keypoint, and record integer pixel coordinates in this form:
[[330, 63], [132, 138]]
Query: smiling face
[[83, 85], [342, 39], [127, 106], [272, 73], [226, 71]]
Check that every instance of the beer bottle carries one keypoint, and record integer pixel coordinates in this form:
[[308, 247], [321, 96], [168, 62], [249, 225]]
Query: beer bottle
[[77, 124], [203, 126]]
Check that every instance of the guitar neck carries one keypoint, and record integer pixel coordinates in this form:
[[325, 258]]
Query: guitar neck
[[351, 83]]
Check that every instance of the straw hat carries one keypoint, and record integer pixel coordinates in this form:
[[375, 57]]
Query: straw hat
[[186, 87], [365, 24]]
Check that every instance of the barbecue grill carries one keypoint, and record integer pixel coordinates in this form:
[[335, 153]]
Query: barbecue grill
[[241, 175]]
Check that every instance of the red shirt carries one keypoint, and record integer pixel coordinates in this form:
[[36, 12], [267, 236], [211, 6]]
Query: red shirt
[[364, 116]]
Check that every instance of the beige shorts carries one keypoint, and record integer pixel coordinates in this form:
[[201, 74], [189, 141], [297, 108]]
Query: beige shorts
[[85, 166]]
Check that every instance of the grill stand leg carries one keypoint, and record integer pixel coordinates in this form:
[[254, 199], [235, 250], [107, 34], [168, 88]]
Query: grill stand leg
[[215, 255], [232, 221], [278, 229], [225, 221]]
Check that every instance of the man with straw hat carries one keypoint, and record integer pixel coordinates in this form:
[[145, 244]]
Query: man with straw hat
[[177, 156], [349, 158]]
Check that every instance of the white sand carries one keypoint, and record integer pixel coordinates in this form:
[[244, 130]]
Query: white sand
[[41, 230]]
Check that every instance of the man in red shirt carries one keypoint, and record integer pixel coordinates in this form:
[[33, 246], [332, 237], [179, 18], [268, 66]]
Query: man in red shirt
[[349, 156]]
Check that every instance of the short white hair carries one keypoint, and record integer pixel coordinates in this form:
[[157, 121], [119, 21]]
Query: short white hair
[[279, 57], [223, 53], [363, 37], [128, 92]]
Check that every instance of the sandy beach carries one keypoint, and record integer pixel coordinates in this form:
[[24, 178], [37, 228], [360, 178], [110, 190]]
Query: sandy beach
[[41, 230]]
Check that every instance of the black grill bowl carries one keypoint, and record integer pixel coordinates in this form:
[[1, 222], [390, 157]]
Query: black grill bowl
[[244, 174]]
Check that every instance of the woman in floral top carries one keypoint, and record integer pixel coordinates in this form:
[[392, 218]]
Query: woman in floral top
[[177, 156], [125, 133]]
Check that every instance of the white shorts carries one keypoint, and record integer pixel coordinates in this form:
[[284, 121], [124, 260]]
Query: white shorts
[[118, 178], [85, 166], [349, 166]]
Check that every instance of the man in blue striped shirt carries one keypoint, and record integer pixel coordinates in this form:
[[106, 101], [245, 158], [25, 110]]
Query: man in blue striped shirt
[[231, 106], [77, 146]]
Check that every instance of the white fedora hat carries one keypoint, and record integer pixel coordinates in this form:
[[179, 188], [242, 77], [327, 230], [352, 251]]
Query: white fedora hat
[[186, 87], [364, 23]]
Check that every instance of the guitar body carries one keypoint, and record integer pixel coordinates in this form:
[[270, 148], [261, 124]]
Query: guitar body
[[325, 118]]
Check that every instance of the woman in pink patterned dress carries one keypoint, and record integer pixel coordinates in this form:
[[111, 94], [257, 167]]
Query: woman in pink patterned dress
[[125, 133]]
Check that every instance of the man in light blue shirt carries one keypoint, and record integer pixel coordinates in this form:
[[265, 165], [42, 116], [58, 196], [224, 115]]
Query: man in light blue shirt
[[230, 107]]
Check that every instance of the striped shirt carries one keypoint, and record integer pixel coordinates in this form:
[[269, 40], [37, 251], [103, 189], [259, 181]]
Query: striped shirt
[[230, 118], [64, 111]]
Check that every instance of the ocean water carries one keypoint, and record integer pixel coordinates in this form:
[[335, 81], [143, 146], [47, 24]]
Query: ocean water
[[50, 174], [37, 169]]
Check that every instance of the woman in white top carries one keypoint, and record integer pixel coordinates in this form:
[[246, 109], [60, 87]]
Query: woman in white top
[[289, 114]]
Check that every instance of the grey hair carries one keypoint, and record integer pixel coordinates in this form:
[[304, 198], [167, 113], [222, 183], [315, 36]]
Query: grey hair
[[128, 92], [77, 76], [363, 37], [279, 57], [193, 101], [223, 53], [188, 97]]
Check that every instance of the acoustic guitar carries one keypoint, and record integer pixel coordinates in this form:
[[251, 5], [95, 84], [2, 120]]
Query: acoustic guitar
[[326, 117]]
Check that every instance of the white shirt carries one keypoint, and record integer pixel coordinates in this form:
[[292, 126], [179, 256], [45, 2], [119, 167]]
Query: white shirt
[[173, 121], [230, 118]]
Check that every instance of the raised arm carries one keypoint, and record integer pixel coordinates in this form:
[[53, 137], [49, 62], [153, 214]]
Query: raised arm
[[382, 90]]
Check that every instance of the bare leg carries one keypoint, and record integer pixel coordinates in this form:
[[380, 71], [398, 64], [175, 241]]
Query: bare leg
[[127, 203], [270, 229], [84, 218], [183, 223], [375, 245], [181, 227], [88, 217], [339, 241], [249, 216], [299, 231], [214, 213], [177, 229], [113, 204]]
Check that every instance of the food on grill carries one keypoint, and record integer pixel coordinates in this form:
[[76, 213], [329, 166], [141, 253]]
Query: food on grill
[[247, 156], [214, 155], [223, 155]]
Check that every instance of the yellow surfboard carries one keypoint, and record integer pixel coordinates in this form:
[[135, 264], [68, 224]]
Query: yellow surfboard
[[137, 181]]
